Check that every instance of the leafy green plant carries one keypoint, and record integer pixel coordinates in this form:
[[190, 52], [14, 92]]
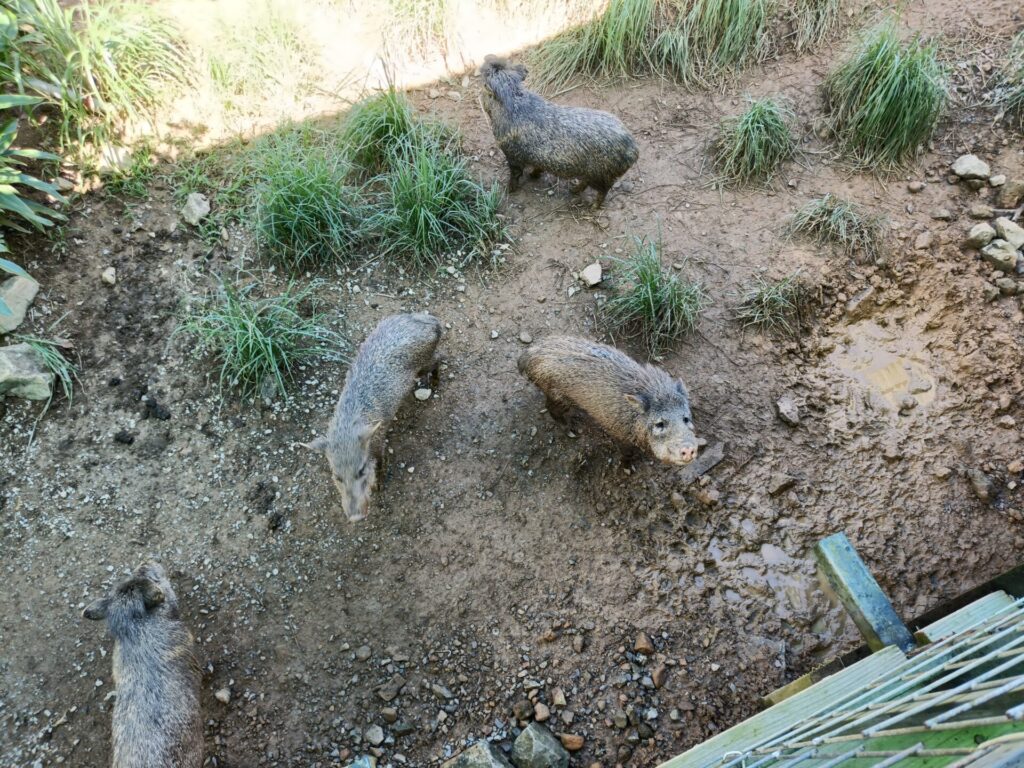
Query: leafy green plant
[[99, 64], [752, 146], [431, 208], [259, 343], [774, 306], [305, 213], [651, 303], [833, 221], [885, 100], [52, 354]]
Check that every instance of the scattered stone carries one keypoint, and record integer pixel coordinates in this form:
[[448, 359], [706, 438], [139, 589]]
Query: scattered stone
[[481, 755], [114, 157], [780, 482], [1011, 194], [1010, 231], [990, 292], [558, 697], [980, 236], [109, 276], [363, 652], [124, 437], [423, 393], [571, 741], [997, 179], [942, 214], [788, 410], [455, 96], [578, 643], [390, 690], [494, 334], [591, 274], [981, 484], [522, 709], [924, 241], [196, 208], [659, 676], [403, 728], [981, 211], [541, 712], [536, 747], [704, 463], [1001, 255], [22, 373], [860, 305], [971, 167], [525, 337], [433, 93], [223, 695], [375, 735], [390, 714], [364, 761], [942, 472], [441, 692], [643, 644], [1016, 466], [619, 719], [1007, 286], [17, 293], [975, 184], [915, 186]]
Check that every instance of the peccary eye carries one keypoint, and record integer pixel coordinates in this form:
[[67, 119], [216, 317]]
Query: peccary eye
[[362, 471], [659, 425], [686, 420]]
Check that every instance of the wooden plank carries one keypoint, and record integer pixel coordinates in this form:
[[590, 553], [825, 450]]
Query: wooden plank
[[966, 617], [860, 594], [780, 718]]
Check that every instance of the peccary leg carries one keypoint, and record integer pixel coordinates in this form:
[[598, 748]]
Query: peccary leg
[[536, 172], [580, 186], [602, 191], [431, 375], [515, 173], [558, 408]]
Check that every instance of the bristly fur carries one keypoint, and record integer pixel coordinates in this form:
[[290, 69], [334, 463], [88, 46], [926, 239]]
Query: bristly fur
[[568, 142], [157, 721], [638, 405]]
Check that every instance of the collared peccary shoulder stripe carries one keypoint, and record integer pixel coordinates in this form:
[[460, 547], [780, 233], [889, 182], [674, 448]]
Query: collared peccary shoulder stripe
[[156, 721], [638, 405], [568, 142]]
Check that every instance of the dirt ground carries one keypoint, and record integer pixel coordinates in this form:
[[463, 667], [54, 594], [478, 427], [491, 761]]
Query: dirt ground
[[505, 558]]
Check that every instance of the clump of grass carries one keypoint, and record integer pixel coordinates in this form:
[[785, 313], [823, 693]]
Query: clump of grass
[[650, 302], [259, 343], [751, 146], [885, 100], [432, 207], [100, 64], [833, 221], [418, 25], [814, 21], [1009, 94], [774, 306], [615, 44], [305, 213], [134, 181], [713, 37], [50, 352], [377, 128]]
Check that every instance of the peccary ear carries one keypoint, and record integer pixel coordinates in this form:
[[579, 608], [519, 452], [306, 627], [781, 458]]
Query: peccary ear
[[318, 444], [96, 610], [640, 402], [152, 595], [681, 388]]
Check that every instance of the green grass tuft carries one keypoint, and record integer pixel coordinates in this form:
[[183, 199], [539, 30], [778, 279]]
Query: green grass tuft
[[135, 180], [615, 44], [1009, 94], [378, 128], [752, 146], [418, 25], [259, 343], [885, 100], [100, 64], [814, 21], [50, 352], [833, 221], [774, 307], [305, 213], [432, 208], [651, 303]]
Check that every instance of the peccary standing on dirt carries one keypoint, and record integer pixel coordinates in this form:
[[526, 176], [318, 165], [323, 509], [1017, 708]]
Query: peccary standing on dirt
[[157, 722], [641, 406], [400, 348], [569, 142]]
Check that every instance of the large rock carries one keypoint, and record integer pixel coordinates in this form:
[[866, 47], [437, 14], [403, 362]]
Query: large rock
[[197, 208], [22, 373], [1011, 194], [480, 755], [1010, 231], [17, 293], [537, 747], [1000, 254], [980, 236], [971, 167]]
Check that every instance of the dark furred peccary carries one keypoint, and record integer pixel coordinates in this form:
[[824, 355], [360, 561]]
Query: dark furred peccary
[[641, 406], [383, 373], [569, 142], [157, 722]]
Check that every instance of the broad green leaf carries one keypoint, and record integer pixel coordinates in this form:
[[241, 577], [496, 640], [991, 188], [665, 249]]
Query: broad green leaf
[[34, 154], [9, 266], [8, 100]]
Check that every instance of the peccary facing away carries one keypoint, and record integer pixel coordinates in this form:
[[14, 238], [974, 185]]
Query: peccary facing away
[[569, 142], [157, 722], [641, 406], [383, 373]]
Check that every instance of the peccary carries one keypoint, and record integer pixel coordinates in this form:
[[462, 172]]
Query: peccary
[[383, 373], [569, 142], [641, 406], [157, 722]]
